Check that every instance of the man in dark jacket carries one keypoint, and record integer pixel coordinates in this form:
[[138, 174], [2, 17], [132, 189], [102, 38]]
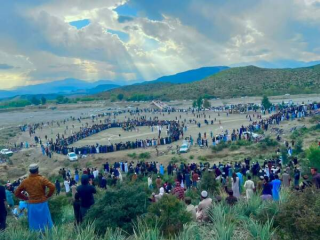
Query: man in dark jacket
[[3, 211], [86, 191]]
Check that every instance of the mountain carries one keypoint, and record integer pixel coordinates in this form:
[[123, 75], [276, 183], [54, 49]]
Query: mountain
[[65, 87], [233, 82], [191, 75], [278, 64]]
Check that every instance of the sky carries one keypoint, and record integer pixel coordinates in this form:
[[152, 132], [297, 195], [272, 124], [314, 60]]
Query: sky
[[47, 40]]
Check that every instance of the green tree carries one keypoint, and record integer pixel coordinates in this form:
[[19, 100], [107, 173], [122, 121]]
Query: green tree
[[60, 99], [35, 101], [206, 103], [120, 96], [43, 101], [266, 103]]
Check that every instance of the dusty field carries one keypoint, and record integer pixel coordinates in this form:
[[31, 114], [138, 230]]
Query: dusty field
[[18, 166]]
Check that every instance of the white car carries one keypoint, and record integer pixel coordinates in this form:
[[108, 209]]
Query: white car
[[72, 156], [253, 135], [185, 147], [6, 152]]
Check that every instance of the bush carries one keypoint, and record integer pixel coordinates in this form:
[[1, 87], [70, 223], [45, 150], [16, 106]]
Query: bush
[[191, 157], [313, 155], [118, 208], [234, 147], [208, 182], [57, 206], [298, 146], [132, 155], [170, 214], [145, 155], [202, 159], [299, 217], [219, 147]]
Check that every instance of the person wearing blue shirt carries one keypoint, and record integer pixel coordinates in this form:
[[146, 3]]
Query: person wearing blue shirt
[[276, 184]]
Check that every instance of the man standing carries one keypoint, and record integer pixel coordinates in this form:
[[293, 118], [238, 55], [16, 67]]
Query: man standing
[[38, 210], [249, 186], [315, 177], [86, 191], [3, 211], [286, 179]]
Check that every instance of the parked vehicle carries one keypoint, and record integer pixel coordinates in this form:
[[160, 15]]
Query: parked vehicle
[[72, 156], [6, 152], [185, 147]]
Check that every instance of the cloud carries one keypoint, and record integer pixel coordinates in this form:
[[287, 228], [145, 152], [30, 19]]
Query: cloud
[[143, 39]]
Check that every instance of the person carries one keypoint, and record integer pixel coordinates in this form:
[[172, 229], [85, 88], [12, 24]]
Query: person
[[58, 187], [150, 183], [86, 192], [249, 186], [235, 185], [9, 197], [160, 195], [195, 177], [305, 183], [286, 179], [266, 189], [3, 211], [231, 200], [178, 191], [74, 190], [315, 177], [77, 209], [204, 207], [276, 184], [67, 185], [191, 208], [35, 185], [158, 182]]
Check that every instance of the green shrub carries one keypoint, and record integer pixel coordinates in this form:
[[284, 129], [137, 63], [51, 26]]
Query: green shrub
[[191, 157], [118, 208], [132, 155], [169, 213], [219, 147], [145, 155], [298, 146], [57, 207], [313, 155], [234, 147], [208, 182], [299, 217], [202, 159]]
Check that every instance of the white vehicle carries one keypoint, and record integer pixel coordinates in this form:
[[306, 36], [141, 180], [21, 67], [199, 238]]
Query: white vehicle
[[185, 147], [6, 152], [253, 135], [72, 156]]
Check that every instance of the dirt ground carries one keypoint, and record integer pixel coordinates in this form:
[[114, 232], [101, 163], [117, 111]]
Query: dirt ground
[[9, 134]]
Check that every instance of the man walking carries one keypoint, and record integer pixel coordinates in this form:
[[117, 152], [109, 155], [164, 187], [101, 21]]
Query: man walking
[[38, 210]]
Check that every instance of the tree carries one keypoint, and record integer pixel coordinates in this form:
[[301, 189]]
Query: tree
[[197, 103], [35, 101], [266, 103], [43, 101], [60, 99], [206, 103], [120, 96]]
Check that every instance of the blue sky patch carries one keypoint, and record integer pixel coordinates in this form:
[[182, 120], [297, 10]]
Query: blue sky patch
[[80, 23], [151, 44], [126, 10], [122, 35]]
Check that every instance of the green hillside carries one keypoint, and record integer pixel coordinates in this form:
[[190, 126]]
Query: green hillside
[[235, 82]]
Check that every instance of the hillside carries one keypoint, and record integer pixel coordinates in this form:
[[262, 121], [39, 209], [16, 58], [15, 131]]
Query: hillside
[[234, 82], [191, 75]]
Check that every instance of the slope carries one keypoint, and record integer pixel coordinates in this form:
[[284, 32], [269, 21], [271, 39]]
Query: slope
[[234, 82]]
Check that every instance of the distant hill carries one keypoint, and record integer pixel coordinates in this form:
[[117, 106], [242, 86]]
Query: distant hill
[[191, 75], [233, 82], [65, 87]]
